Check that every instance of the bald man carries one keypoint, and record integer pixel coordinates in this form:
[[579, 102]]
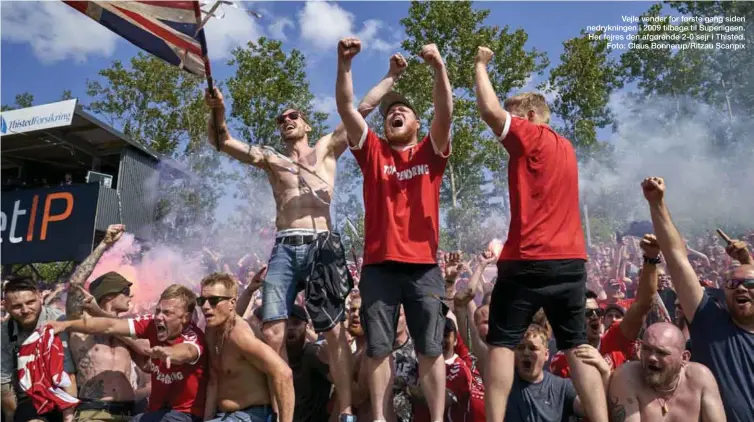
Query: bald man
[[664, 385]]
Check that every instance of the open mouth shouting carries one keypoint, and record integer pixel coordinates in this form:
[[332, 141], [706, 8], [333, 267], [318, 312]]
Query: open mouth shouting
[[162, 331], [527, 364], [742, 300], [397, 121]]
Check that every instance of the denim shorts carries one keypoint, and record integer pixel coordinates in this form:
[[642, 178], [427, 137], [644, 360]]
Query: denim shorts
[[319, 268]]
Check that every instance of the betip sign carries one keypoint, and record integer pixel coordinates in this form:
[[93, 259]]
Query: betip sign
[[38, 117], [48, 225]]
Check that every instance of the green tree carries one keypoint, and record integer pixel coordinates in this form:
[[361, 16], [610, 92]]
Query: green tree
[[584, 80], [162, 107], [23, 100], [458, 29]]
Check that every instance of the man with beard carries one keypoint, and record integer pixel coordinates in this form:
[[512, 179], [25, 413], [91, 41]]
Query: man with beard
[[664, 385], [23, 302], [104, 365], [177, 350], [537, 395], [542, 264], [722, 339], [310, 372], [307, 253], [402, 178], [238, 359]]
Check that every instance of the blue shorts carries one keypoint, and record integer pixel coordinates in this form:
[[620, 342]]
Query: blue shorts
[[315, 263], [250, 414]]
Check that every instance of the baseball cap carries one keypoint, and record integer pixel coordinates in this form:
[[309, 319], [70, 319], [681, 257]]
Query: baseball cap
[[617, 307], [299, 313], [392, 98], [107, 284]]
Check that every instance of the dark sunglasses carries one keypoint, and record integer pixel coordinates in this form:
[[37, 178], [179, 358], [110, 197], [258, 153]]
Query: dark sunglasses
[[126, 291], [294, 115], [213, 300], [733, 283], [592, 312]]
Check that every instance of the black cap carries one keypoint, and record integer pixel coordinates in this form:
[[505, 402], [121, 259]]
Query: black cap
[[617, 307], [108, 284], [299, 313], [392, 98]]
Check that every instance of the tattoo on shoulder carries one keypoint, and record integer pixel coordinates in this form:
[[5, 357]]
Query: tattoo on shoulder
[[617, 410]]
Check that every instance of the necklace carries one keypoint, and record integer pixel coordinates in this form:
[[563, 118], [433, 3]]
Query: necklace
[[226, 330], [669, 393]]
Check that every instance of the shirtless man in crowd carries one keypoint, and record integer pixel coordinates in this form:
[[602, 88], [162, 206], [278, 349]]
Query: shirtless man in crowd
[[302, 180], [664, 385], [241, 365], [104, 365]]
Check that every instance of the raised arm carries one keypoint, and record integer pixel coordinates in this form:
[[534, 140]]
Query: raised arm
[[177, 354], [339, 139], [673, 248], [442, 96], [645, 292], [352, 120], [241, 151], [75, 301], [245, 297], [489, 107], [266, 360], [110, 326]]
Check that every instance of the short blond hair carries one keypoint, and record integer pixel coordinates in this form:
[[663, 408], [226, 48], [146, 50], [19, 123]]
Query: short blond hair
[[226, 280], [177, 291], [535, 330], [521, 104]]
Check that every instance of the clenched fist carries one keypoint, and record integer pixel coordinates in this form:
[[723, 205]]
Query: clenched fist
[[113, 233], [483, 55], [649, 246], [737, 250], [216, 103], [654, 189], [431, 55], [397, 65], [348, 48]]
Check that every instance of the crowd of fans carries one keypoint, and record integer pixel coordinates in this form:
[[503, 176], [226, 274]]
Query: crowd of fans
[[614, 292]]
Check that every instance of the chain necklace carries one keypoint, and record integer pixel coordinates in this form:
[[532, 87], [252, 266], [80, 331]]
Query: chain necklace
[[669, 393], [226, 331]]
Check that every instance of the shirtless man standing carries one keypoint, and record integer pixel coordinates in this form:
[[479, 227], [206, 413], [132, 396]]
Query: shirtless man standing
[[242, 367], [664, 385], [103, 362], [307, 252]]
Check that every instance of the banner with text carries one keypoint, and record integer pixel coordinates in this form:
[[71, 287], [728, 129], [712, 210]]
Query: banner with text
[[47, 225]]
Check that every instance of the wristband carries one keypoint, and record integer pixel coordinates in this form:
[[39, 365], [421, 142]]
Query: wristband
[[654, 261]]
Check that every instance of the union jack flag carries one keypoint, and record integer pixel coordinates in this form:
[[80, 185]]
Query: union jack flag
[[170, 30]]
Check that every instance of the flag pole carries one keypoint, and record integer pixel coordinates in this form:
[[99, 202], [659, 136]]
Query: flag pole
[[207, 69]]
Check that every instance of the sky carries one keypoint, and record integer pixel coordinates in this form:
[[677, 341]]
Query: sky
[[47, 47]]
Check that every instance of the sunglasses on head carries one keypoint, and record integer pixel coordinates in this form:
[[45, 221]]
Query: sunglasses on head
[[294, 115], [733, 283], [213, 300], [593, 312]]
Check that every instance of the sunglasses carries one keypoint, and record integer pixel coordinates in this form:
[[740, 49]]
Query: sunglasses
[[213, 300], [126, 291], [294, 115], [593, 312], [733, 283]]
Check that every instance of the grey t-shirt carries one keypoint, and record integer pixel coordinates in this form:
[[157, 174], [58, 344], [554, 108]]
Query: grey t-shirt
[[728, 351], [48, 313], [550, 400]]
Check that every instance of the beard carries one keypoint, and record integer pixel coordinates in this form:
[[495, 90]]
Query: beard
[[399, 137], [664, 378], [355, 330]]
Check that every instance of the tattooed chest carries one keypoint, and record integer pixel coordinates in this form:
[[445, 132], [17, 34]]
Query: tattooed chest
[[96, 354]]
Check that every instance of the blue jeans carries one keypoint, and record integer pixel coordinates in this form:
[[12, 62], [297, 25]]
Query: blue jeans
[[250, 414]]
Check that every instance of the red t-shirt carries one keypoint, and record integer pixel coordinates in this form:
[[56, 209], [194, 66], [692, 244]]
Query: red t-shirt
[[477, 412], [182, 388], [543, 180], [401, 198], [457, 380], [614, 347]]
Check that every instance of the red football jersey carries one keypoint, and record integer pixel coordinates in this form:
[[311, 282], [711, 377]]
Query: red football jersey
[[182, 388], [614, 347], [543, 180], [401, 199], [457, 380]]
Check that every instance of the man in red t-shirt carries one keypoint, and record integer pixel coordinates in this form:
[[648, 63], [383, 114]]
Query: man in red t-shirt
[[177, 349], [402, 178], [542, 264]]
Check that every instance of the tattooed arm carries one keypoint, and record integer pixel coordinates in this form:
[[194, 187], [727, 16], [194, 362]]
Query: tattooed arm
[[623, 404], [75, 301]]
